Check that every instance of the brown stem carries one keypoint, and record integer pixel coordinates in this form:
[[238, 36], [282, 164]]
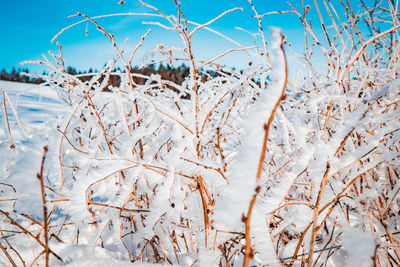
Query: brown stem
[[8, 255], [201, 186], [271, 117], [249, 253], [247, 219], [12, 248], [45, 225], [315, 227], [29, 233], [101, 124]]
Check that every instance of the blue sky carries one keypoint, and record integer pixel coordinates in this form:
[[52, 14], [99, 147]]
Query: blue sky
[[27, 27]]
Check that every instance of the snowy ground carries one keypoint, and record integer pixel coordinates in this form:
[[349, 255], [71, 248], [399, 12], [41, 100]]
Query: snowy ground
[[38, 108]]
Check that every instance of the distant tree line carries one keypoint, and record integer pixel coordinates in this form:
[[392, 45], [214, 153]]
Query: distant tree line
[[18, 76], [176, 75]]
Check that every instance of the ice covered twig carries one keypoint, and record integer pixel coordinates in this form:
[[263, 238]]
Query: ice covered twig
[[247, 219], [12, 146], [281, 97], [45, 215]]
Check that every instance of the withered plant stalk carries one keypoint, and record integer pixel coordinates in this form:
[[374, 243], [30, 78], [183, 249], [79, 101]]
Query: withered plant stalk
[[267, 126], [45, 219]]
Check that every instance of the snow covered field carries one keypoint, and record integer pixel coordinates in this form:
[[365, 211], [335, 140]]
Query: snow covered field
[[256, 167], [37, 107]]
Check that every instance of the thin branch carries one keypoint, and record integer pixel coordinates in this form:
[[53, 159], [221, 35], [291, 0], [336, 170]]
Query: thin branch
[[12, 146], [213, 20], [362, 49], [274, 12], [8, 255], [30, 234], [45, 226], [98, 17], [224, 53], [271, 117], [137, 47]]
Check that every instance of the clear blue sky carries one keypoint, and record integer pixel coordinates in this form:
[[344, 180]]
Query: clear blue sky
[[27, 26]]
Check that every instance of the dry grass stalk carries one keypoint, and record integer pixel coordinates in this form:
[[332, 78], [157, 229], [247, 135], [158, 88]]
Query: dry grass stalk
[[25, 231], [13, 249], [12, 146], [45, 219], [247, 219], [316, 228], [161, 153], [8, 255]]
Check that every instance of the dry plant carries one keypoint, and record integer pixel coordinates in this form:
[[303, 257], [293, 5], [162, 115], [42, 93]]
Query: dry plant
[[349, 153], [230, 167]]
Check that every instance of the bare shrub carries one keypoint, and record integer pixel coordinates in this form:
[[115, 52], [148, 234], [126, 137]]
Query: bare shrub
[[253, 166]]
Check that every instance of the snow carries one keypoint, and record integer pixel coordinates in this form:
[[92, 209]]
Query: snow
[[140, 176], [359, 246], [36, 105], [35, 109], [38, 115]]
